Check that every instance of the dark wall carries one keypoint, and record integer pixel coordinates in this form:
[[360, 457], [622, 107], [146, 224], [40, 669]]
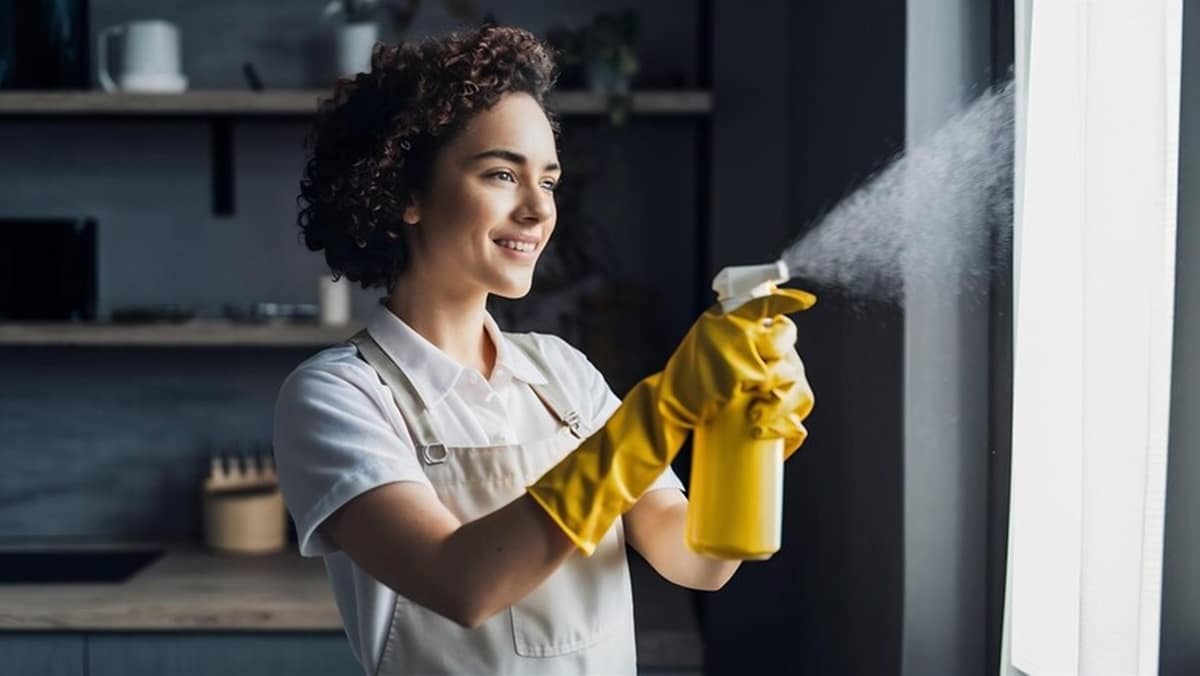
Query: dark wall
[[822, 105], [76, 422], [114, 443]]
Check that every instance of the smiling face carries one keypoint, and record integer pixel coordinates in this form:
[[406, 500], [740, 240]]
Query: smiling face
[[489, 209]]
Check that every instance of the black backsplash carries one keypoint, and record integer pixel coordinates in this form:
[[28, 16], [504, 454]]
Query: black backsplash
[[47, 269]]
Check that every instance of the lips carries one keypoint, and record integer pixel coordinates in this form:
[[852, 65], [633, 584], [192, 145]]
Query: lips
[[514, 244], [521, 244]]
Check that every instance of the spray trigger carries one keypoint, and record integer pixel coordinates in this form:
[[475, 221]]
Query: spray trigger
[[739, 283]]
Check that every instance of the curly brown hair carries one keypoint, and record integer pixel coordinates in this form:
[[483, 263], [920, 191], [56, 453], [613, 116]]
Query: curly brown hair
[[374, 141]]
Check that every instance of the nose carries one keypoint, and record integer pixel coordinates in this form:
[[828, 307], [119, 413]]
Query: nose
[[537, 205]]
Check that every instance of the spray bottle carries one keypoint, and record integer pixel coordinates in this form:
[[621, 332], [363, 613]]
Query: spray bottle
[[735, 508]]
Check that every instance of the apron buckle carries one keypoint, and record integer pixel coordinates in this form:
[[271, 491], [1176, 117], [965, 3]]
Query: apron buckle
[[434, 454], [575, 423]]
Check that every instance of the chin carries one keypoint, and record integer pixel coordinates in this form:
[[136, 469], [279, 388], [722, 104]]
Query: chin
[[514, 291]]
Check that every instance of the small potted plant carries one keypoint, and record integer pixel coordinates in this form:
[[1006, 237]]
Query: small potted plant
[[602, 55], [356, 36], [608, 53]]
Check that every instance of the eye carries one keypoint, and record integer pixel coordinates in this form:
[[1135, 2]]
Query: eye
[[550, 184]]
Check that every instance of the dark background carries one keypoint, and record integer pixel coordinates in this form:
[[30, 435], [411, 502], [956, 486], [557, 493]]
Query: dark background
[[894, 542]]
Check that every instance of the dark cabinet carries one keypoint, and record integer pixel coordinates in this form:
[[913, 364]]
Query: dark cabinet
[[177, 654], [220, 654], [46, 654]]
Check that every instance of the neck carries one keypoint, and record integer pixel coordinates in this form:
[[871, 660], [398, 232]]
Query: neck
[[454, 323]]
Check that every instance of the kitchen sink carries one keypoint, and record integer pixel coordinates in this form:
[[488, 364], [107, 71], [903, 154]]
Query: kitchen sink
[[74, 565]]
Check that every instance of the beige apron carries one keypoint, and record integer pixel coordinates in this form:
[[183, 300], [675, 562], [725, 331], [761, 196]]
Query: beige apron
[[578, 621]]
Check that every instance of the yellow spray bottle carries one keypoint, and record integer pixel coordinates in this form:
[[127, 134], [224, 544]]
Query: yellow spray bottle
[[735, 508]]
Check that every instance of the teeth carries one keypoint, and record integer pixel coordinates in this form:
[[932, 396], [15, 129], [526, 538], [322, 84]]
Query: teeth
[[526, 247]]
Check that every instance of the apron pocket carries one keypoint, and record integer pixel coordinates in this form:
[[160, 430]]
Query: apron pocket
[[576, 606]]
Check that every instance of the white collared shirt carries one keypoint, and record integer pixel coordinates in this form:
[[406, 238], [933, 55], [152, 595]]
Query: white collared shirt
[[338, 434]]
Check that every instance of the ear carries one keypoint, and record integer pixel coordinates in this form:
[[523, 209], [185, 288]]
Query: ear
[[412, 213]]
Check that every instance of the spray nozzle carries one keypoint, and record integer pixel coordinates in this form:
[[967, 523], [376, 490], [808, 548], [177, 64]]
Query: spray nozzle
[[739, 283]]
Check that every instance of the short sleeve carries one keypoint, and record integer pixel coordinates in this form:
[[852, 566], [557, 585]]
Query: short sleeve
[[333, 440], [602, 402]]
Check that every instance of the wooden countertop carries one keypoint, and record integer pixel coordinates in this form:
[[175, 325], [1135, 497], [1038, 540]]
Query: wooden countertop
[[190, 588]]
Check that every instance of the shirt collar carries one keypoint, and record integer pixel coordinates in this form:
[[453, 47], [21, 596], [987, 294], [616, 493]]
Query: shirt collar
[[511, 357], [432, 372]]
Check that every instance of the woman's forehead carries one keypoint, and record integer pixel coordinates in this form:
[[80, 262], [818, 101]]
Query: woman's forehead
[[516, 123]]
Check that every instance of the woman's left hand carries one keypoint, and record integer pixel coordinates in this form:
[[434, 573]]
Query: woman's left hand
[[726, 355], [782, 402]]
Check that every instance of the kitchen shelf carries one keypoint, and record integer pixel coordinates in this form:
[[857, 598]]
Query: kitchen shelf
[[193, 333], [221, 108], [297, 103]]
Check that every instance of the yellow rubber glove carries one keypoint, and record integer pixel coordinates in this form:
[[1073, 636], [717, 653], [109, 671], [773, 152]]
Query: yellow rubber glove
[[794, 400], [778, 407], [606, 474], [723, 356], [745, 358]]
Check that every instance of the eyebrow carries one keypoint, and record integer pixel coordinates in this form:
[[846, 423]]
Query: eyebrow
[[511, 156]]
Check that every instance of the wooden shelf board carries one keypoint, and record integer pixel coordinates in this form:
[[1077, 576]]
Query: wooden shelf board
[[194, 333], [297, 103]]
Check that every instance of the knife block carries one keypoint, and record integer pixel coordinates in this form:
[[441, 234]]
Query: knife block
[[243, 507]]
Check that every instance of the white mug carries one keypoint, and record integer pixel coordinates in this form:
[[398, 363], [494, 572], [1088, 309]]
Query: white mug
[[149, 58], [334, 300], [355, 41]]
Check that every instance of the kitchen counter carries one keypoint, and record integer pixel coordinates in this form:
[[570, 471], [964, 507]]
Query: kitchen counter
[[187, 588], [193, 589]]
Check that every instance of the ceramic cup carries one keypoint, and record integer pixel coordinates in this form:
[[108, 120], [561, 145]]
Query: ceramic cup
[[149, 58]]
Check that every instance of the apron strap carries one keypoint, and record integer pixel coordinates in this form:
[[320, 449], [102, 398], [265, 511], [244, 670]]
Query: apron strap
[[405, 395], [552, 392]]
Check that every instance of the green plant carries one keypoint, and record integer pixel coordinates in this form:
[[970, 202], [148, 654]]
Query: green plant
[[602, 54], [609, 43]]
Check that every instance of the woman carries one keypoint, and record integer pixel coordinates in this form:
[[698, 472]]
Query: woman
[[447, 471]]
